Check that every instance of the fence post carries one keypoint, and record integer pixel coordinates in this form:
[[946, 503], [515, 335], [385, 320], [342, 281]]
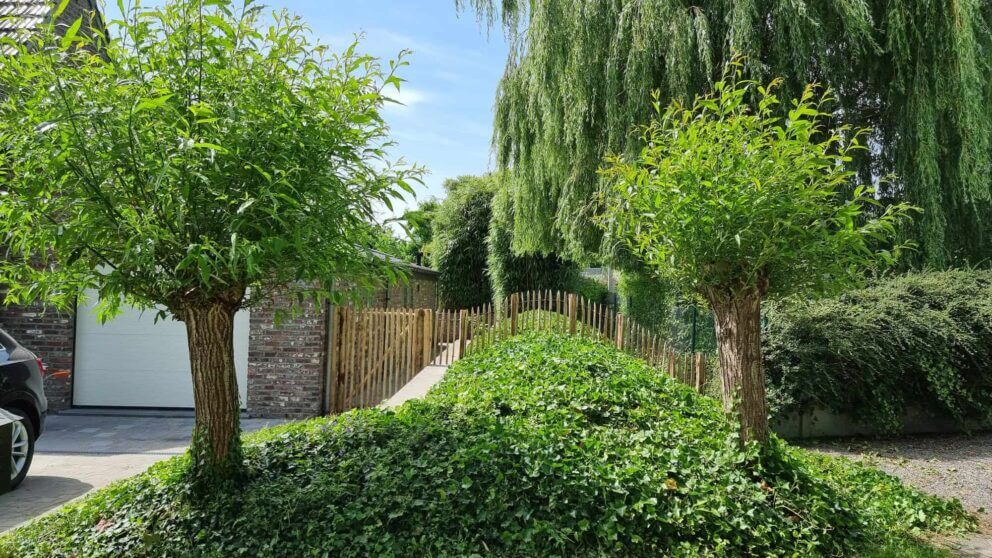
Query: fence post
[[462, 332], [692, 349], [341, 336], [620, 331], [514, 310], [700, 372], [428, 316], [573, 309], [330, 383]]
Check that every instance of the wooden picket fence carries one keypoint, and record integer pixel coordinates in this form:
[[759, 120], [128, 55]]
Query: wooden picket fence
[[375, 351]]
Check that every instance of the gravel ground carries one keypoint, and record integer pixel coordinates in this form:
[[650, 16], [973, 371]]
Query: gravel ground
[[951, 466]]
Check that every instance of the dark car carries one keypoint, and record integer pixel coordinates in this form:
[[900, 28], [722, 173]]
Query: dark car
[[22, 393]]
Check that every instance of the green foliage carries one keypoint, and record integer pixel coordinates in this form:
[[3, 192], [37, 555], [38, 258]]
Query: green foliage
[[580, 74], [658, 306], [459, 250], [201, 152], [727, 196], [543, 445], [921, 340], [419, 224], [512, 271], [648, 301], [386, 241], [590, 289]]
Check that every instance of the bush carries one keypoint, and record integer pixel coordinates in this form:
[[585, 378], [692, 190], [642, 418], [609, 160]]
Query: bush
[[654, 303], [511, 272], [921, 340], [458, 249], [543, 445], [648, 301], [591, 289]]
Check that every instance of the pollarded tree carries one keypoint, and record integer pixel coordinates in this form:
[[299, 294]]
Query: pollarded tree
[[194, 161], [731, 201]]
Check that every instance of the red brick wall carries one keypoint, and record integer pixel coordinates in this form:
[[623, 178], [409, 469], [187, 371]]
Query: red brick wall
[[286, 362], [50, 335]]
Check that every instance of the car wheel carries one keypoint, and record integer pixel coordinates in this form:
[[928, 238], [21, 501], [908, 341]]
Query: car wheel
[[22, 447]]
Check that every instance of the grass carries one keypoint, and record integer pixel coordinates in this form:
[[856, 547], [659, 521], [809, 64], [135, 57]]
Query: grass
[[544, 445]]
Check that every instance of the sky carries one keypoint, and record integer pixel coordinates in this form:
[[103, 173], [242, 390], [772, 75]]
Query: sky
[[446, 123]]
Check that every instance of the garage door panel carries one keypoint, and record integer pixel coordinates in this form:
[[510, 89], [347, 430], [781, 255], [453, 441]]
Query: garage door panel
[[134, 361]]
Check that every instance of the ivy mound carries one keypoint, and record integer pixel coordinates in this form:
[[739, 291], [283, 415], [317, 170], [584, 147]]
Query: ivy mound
[[543, 445]]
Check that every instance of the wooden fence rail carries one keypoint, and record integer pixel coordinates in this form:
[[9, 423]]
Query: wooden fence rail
[[376, 350]]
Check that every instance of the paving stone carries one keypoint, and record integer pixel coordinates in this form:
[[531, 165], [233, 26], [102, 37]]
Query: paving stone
[[80, 453]]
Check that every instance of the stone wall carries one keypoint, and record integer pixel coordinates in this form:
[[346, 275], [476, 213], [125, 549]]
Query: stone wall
[[50, 334], [286, 361]]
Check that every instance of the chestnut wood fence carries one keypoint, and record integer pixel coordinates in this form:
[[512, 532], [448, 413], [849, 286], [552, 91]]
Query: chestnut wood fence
[[375, 351]]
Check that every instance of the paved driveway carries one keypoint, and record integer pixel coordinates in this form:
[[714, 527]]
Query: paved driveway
[[79, 453]]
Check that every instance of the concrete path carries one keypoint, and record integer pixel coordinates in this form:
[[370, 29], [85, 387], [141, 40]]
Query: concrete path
[[417, 387], [79, 453]]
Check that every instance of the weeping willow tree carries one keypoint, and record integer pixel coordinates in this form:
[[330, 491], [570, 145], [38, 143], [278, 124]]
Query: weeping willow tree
[[580, 74]]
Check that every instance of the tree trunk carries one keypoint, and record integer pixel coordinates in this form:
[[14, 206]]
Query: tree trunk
[[216, 444], [738, 334]]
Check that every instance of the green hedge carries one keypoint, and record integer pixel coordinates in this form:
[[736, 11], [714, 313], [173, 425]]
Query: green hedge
[[922, 340], [542, 446], [590, 289], [510, 272], [459, 251], [656, 305]]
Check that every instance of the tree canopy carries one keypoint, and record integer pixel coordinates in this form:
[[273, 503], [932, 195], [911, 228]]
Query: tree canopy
[[723, 197], [196, 159], [458, 249], [511, 271], [580, 74]]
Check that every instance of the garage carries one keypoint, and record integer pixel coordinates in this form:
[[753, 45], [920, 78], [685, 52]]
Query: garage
[[132, 361]]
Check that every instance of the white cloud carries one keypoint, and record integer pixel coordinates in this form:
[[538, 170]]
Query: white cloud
[[407, 97]]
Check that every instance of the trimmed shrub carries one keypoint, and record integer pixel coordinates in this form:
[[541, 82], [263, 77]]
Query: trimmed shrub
[[511, 272], [542, 446], [590, 289], [655, 304], [458, 249], [922, 340], [647, 300]]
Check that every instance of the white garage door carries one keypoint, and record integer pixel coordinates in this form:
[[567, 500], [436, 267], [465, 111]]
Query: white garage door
[[132, 361]]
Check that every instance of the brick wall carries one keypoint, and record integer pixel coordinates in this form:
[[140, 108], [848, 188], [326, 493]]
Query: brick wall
[[286, 362], [419, 292], [50, 335]]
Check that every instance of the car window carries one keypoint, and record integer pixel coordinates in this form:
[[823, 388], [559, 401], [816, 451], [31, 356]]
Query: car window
[[4, 355]]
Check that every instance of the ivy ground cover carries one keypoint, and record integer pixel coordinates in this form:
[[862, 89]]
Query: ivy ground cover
[[543, 445]]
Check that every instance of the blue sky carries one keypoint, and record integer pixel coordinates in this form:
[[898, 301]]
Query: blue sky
[[446, 124]]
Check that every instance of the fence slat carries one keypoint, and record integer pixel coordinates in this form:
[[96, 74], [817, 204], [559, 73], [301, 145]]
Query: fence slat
[[376, 351]]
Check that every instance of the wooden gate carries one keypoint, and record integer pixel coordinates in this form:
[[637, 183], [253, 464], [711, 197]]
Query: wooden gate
[[376, 351]]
